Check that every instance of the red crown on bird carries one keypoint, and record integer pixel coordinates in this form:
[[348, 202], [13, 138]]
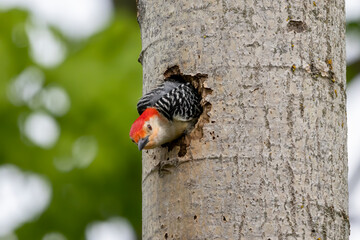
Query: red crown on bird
[[136, 130]]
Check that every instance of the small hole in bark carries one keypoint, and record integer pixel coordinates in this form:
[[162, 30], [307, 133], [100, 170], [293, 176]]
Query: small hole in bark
[[166, 236], [224, 218], [195, 217], [296, 26], [182, 151], [197, 133]]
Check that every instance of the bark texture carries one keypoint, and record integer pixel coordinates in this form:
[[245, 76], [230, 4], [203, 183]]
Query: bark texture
[[269, 159]]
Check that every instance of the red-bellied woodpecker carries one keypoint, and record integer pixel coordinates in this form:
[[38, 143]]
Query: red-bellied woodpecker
[[166, 113]]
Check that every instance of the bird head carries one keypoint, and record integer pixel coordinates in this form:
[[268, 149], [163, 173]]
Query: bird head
[[144, 130]]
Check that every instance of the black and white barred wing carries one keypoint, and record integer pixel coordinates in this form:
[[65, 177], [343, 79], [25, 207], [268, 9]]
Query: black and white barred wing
[[152, 97], [175, 100], [181, 103]]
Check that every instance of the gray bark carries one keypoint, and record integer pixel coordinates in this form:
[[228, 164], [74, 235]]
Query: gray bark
[[268, 159]]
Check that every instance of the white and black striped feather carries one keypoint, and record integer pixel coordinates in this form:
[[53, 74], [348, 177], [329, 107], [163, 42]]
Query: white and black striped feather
[[173, 99]]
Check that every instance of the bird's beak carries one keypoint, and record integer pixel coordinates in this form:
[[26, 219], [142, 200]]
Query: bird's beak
[[142, 142]]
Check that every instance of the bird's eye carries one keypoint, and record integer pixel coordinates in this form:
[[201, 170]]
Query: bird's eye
[[149, 127]]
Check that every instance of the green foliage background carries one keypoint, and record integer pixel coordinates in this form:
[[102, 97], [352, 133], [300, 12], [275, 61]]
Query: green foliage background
[[103, 79], [353, 68]]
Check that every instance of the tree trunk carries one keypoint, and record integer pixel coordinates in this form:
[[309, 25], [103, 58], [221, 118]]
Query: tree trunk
[[268, 158]]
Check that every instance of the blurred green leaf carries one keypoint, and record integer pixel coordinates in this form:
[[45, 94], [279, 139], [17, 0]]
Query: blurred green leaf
[[103, 79], [353, 68]]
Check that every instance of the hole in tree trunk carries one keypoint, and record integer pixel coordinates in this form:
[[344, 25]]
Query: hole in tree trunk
[[197, 132], [296, 26]]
